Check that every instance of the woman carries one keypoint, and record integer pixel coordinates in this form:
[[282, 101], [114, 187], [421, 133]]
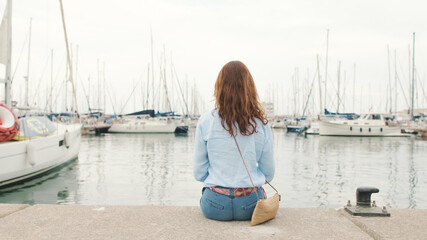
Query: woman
[[228, 193]]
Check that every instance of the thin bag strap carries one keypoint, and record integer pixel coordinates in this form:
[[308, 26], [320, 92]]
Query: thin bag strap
[[272, 187], [238, 148]]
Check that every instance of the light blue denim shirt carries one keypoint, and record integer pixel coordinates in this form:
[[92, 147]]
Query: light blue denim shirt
[[217, 161]]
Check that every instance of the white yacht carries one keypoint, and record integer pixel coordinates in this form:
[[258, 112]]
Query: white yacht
[[20, 160], [147, 125], [369, 125], [40, 145]]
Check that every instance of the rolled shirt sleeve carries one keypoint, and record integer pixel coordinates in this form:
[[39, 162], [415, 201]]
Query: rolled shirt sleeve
[[266, 163], [201, 161]]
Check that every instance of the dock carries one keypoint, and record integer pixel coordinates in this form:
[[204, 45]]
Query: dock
[[20, 221]]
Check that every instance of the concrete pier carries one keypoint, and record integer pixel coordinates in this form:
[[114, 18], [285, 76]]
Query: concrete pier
[[167, 222]]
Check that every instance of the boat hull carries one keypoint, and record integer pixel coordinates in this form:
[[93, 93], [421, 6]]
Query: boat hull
[[294, 129], [142, 127], [181, 129], [95, 129], [336, 129], [100, 130], [314, 129], [21, 160]]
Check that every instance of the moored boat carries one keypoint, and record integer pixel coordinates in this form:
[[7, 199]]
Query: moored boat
[[40, 145], [293, 128], [369, 125], [95, 124], [297, 125], [147, 125], [20, 160], [277, 123]]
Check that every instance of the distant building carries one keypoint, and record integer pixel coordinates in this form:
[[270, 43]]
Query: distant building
[[268, 108]]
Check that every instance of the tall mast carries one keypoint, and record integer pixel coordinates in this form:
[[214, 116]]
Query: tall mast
[[343, 91], [296, 89], [27, 78], [308, 88], [389, 76], [143, 92], [409, 79], [326, 65], [99, 85], [134, 97], [320, 86], [167, 103], [66, 88], [88, 94], [338, 91], [51, 81], [8, 79], [354, 86], [70, 65], [295, 101], [413, 75], [395, 82], [104, 88], [171, 80], [180, 90], [148, 85], [152, 65], [77, 61], [186, 88]]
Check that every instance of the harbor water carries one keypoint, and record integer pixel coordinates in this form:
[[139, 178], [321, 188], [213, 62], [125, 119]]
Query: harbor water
[[156, 169]]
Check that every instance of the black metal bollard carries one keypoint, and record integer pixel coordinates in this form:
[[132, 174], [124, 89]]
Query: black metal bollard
[[363, 205], [363, 196]]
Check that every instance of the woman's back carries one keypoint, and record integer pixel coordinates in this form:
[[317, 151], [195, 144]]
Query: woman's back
[[226, 168]]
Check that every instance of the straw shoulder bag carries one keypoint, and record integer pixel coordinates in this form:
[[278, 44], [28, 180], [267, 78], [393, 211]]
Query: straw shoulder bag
[[265, 209]]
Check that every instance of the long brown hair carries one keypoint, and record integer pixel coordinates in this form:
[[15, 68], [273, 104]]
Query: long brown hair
[[237, 99]]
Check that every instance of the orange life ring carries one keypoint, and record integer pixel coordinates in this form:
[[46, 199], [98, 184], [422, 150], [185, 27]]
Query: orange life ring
[[9, 125]]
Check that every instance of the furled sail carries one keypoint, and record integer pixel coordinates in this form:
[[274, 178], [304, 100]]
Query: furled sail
[[3, 37]]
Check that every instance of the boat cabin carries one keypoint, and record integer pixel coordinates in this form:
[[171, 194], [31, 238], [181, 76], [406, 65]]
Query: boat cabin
[[372, 117]]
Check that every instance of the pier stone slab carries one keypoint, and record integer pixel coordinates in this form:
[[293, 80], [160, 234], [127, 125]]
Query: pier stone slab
[[316, 223], [7, 209], [402, 224], [167, 222]]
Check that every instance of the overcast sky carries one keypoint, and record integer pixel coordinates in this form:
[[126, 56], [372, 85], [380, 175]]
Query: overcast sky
[[277, 40]]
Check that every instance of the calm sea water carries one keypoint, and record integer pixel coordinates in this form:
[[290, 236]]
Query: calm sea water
[[156, 169]]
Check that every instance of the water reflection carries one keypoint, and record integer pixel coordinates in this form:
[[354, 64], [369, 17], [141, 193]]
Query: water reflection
[[49, 188], [136, 169], [312, 171], [412, 179], [338, 165]]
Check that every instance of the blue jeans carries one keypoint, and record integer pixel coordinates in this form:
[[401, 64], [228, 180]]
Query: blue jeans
[[226, 208]]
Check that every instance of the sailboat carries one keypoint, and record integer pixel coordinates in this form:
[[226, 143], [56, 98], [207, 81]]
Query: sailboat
[[41, 145], [95, 123], [368, 125], [148, 122]]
